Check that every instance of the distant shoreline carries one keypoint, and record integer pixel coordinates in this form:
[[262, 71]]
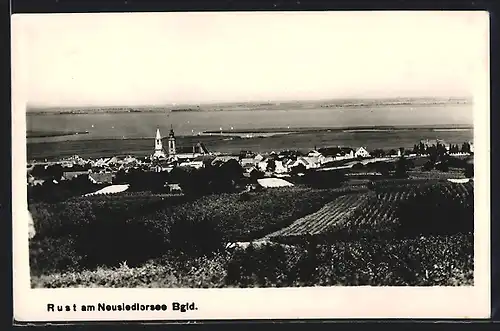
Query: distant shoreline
[[235, 134], [289, 105], [49, 134], [344, 129]]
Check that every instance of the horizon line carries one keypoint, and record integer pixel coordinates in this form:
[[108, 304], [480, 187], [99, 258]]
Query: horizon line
[[164, 104]]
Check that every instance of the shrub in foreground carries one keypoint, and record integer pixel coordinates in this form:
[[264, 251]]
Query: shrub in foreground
[[425, 261]]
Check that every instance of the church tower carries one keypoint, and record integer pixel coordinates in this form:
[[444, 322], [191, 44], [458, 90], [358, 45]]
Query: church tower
[[159, 153], [171, 142]]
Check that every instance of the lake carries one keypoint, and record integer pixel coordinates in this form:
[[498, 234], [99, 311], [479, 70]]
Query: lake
[[132, 133]]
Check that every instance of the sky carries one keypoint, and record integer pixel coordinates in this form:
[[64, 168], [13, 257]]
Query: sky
[[165, 58]]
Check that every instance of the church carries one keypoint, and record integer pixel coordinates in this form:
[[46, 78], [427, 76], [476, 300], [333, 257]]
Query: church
[[173, 154], [159, 153]]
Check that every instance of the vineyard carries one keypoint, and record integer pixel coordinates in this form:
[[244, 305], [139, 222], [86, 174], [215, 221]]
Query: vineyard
[[385, 232], [406, 209]]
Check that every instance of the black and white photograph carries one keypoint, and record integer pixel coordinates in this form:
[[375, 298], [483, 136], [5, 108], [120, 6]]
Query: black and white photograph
[[251, 151]]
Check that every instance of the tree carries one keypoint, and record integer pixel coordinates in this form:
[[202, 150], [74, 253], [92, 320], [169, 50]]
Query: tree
[[227, 176], [433, 154], [256, 174], [401, 168], [443, 166], [271, 165], [422, 148], [358, 166], [465, 147], [383, 168], [378, 152], [298, 169], [428, 166], [469, 170], [416, 149]]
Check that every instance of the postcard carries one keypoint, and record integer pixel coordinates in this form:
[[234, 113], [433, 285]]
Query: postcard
[[251, 165]]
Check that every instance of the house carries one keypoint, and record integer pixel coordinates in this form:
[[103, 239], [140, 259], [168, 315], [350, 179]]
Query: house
[[307, 162], [101, 178], [361, 152], [329, 154]]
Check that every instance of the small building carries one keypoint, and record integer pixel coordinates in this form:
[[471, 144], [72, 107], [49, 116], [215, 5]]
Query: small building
[[307, 161]]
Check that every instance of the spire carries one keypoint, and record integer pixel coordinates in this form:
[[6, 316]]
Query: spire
[[158, 136]]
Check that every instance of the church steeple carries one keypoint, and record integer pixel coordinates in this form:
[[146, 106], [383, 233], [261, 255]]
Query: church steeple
[[171, 142], [159, 153]]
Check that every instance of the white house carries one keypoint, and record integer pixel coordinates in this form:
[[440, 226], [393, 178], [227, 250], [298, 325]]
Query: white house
[[361, 152], [308, 162]]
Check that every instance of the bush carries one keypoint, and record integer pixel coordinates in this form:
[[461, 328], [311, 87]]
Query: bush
[[423, 261], [53, 254]]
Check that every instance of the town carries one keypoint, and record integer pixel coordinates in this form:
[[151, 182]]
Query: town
[[249, 170]]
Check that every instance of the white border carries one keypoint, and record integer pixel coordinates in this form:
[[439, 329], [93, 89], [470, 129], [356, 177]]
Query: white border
[[290, 303]]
